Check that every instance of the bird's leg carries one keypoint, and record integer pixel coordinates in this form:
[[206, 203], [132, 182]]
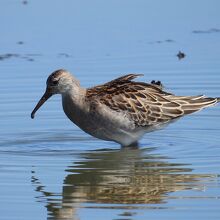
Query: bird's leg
[[134, 145]]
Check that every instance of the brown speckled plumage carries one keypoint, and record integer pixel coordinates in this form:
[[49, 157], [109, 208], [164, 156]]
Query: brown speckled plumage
[[145, 104], [121, 110]]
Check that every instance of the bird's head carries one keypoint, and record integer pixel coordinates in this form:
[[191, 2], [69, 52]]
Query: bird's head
[[59, 82]]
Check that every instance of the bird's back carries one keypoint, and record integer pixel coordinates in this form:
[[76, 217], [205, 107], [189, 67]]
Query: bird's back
[[146, 104]]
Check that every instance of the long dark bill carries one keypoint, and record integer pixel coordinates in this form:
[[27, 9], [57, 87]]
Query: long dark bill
[[43, 99]]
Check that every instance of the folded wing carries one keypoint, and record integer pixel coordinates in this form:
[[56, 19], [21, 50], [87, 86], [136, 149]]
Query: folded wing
[[146, 104]]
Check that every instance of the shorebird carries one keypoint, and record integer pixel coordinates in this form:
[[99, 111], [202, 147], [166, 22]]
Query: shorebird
[[121, 110]]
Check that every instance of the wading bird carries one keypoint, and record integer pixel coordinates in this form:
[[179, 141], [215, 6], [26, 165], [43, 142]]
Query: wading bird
[[120, 110]]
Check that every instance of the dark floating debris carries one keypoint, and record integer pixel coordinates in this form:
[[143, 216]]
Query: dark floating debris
[[162, 41], [209, 31], [24, 2], [181, 55], [8, 55], [30, 59], [169, 41], [20, 42], [27, 57]]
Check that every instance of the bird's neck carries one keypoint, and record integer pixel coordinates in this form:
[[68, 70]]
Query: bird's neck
[[74, 104], [74, 97]]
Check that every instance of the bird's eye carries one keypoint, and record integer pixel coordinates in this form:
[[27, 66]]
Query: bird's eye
[[55, 82]]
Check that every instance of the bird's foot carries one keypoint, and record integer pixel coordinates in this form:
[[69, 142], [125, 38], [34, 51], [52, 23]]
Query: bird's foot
[[134, 145]]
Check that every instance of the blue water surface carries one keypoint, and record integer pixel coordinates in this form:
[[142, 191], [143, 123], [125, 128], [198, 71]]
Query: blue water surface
[[49, 168]]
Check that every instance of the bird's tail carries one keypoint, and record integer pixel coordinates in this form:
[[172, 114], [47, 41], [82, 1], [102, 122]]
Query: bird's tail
[[192, 104]]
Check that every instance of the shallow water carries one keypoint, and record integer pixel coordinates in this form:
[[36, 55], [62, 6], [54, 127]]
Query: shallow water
[[49, 168]]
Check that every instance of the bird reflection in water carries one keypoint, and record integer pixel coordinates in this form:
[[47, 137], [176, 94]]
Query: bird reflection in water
[[125, 176]]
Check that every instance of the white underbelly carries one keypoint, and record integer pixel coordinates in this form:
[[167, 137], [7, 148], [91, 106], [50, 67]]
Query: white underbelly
[[105, 124]]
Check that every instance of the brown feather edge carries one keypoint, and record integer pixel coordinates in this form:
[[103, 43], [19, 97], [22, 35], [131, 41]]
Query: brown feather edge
[[179, 100]]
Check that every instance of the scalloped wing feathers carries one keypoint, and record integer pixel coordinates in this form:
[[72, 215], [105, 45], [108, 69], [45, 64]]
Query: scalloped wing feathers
[[146, 104]]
